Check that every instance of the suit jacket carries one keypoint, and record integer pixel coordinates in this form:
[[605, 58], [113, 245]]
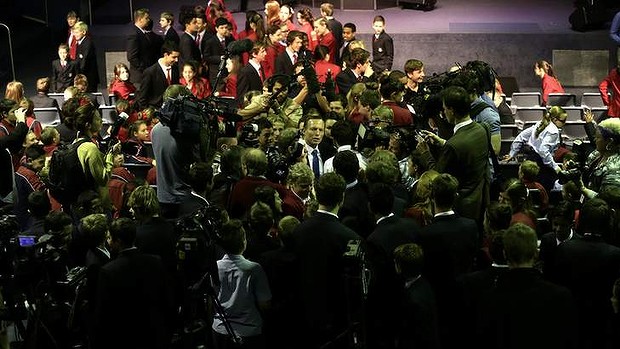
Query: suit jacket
[[13, 143], [248, 80], [466, 156], [154, 84], [134, 302], [354, 212], [139, 53], [588, 267], [156, 236], [63, 77], [320, 242], [346, 79], [211, 54], [284, 65], [547, 251], [86, 59], [524, 311], [172, 35], [382, 52], [41, 100], [417, 325], [188, 49], [450, 243]]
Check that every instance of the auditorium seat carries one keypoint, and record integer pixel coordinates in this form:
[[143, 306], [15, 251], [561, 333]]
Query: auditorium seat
[[528, 114], [59, 97], [47, 116], [574, 113], [592, 100], [574, 130], [108, 114], [598, 112], [139, 170], [509, 131], [525, 99], [99, 97], [562, 99]]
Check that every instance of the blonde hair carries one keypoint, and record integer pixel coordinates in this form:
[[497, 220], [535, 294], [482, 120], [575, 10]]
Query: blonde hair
[[14, 91], [554, 112]]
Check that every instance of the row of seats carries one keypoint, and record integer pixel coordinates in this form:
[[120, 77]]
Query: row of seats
[[534, 99], [51, 116]]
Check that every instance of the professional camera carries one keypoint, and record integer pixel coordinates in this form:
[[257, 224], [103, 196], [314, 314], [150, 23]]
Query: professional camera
[[370, 137], [571, 173], [277, 165]]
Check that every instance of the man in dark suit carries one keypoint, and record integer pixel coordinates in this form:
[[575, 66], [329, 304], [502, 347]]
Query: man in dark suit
[[320, 243], [134, 308], [286, 59], [86, 56], [166, 22], [41, 99], [63, 70], [188, 46], [450, 243], [390, 232], [354, 212], [250, 77], [139, 51], [523, 310], [348, 35], [465, 155], [215, 48], [588, 267], [159, 76], [359, 71], [562, 222]]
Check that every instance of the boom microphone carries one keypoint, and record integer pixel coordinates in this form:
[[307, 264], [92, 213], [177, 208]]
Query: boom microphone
[[239, 46]]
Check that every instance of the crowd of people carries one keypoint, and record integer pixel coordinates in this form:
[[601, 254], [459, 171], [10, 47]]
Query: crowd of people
[[333, 148]]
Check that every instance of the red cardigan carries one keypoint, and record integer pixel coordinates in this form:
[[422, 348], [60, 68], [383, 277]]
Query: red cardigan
[[611, 83]]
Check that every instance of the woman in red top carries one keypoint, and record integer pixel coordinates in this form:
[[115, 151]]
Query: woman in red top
[[121, 87], [324, 37], [272, 47], [197, 85], [550, 83], [230, 88], [272, 12], [306, 23], [392, 93], [254, 31], [322, 65]]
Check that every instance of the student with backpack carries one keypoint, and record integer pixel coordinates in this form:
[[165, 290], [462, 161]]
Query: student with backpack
[[80, 165]]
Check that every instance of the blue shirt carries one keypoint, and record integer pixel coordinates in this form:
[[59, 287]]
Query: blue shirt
[[243, 284], [545, 144], [489, 116], [614, 30]]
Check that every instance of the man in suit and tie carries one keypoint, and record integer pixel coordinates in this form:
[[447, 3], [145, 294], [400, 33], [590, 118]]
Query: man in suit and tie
[[138, 46], [358, 71], [64, 70], [159, 76], [216, 48], [166, 22], [314, 130], [320, 242], [250, 77], [134, 307], [465, 155], [286, 59], [86, 56], [188, 45]]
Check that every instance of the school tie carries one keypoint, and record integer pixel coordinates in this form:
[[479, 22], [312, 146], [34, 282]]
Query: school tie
[[73, 48], [168, 76], [294, 58], [315, 164]]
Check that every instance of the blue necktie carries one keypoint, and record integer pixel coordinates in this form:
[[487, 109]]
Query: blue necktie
[[315, 164]]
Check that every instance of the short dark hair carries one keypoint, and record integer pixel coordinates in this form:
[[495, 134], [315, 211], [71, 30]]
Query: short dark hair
[[594, 217], [350, 26], [34, 152], [232, 236], [290, 38], [124, 231], [444, 190], [347, 165], [200, 176], [412, 65], [378, 19], [330, 189], [343, 132], [499, 216], [358, 55], [410, 259], [370, 98], [39, 204], [381, 198], [56, 221], [169, 46], [458, 99]]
